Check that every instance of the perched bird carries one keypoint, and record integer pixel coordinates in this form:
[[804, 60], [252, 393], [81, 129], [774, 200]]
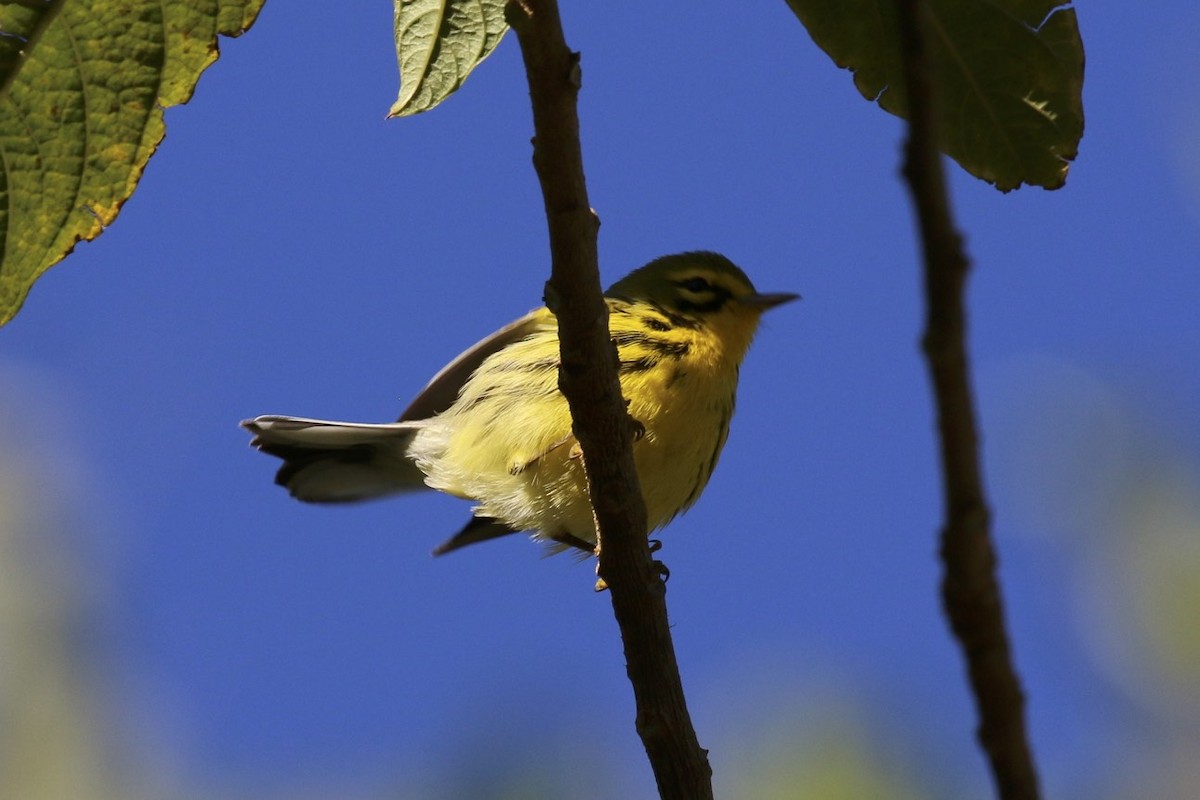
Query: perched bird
[[492, 426]]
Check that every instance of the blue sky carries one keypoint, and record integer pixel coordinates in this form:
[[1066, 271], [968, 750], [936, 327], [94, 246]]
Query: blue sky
[[290, 251]]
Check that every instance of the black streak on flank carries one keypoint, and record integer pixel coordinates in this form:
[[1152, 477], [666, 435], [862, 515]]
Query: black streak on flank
[[662, 346], [638, 364]]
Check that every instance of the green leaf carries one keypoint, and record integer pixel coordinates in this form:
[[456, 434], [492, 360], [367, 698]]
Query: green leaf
[[83, 85], [1009, 76], [438, 44]]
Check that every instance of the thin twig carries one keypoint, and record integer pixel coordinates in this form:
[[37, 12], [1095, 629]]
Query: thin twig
[[588, 379], [970, 591]]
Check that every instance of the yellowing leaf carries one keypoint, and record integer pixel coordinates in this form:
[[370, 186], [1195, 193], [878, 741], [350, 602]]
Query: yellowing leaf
[[83, 85]]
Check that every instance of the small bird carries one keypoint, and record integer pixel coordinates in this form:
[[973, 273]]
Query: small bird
[[492, 426]]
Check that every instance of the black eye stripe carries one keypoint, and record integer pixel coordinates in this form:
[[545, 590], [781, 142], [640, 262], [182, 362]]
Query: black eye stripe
[[698, 295], [687, 307], [695, 284]]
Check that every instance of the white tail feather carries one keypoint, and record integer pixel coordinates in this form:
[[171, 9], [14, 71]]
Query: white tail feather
[[330, 462]]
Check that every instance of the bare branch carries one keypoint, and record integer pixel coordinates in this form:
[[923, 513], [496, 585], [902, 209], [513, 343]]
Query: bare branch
[[588, 379], [970, 591]]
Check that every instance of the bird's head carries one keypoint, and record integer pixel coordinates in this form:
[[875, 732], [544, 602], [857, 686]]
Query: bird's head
[[701, 289], [695, 285]]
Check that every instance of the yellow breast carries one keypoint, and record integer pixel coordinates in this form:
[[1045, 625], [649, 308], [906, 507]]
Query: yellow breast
[[506, 442]]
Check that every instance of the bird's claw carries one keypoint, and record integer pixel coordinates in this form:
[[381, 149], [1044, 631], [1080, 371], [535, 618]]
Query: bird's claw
[[663, 572]]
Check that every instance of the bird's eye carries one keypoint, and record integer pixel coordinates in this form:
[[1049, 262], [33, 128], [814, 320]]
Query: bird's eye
[[696, 285]]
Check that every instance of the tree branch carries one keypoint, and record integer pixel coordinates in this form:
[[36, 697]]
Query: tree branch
[[588, 380], [970, 591]]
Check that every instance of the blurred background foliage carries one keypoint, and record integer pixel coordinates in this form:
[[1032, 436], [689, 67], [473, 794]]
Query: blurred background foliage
[[1091, 467]]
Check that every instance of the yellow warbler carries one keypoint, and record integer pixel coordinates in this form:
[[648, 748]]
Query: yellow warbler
[[492, 427]]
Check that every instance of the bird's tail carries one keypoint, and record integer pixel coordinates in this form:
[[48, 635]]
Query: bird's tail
[[338, 462]]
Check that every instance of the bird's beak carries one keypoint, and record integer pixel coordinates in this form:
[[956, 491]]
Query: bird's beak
[[763, 301]]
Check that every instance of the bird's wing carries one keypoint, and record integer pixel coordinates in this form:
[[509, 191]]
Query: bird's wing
[[479, 529], [442, 391]]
